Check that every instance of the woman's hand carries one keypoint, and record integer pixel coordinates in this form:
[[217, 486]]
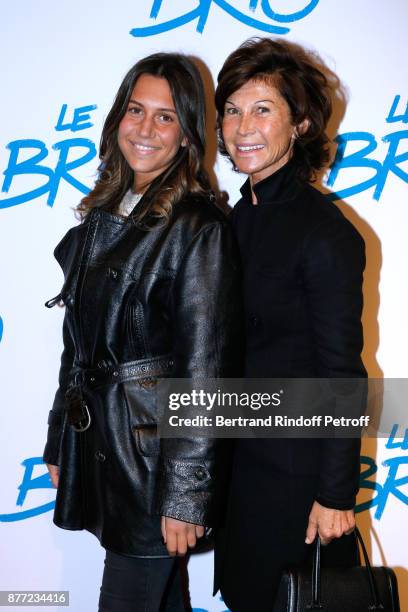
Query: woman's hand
[[54, 474], [179, 536], [329, 523]]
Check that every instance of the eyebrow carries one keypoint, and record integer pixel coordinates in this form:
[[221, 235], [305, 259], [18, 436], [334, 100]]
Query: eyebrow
[[256, 102], [168, 110]]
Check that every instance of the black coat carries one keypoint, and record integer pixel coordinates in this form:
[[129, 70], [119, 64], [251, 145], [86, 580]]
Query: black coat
[[140, 304], [303, 267]]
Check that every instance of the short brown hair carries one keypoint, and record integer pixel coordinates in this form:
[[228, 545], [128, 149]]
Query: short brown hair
[[300, 82]]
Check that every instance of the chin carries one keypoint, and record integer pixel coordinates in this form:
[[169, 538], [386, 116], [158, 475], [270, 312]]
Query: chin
[[139, 166], [246, 168]]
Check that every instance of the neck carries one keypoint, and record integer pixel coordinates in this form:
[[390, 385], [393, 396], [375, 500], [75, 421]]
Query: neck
[[140, 185]]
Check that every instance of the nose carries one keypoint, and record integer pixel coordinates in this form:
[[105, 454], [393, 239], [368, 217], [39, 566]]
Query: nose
[[146, 127], [246, 125]]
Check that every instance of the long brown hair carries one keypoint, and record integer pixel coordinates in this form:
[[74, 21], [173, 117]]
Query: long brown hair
[[186, 173], [297, 76]]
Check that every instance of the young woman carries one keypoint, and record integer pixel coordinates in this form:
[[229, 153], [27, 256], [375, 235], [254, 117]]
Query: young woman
[[151, 290], [303, 267]]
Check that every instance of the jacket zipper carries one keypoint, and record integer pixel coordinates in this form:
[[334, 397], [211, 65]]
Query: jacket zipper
[[135, 322], [83, 266]]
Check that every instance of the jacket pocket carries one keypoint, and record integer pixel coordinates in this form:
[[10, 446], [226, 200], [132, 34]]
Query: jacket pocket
[[141, 401], [147, 440]]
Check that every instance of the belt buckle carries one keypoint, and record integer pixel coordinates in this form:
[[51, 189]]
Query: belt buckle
[[81, 428], [77, 409]]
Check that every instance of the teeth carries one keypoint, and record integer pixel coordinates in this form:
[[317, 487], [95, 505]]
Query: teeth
[[250, 148], [143, 147]]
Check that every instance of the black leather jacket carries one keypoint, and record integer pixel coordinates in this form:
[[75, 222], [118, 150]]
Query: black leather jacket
[[140, 304]]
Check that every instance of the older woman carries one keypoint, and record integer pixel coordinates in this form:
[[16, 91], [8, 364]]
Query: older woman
[[151, 290], [303, 265]]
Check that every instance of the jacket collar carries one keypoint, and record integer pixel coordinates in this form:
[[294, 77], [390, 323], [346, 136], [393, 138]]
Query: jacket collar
[[280, 186]]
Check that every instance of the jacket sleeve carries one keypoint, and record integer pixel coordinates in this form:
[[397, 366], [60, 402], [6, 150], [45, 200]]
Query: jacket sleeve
[[207, 328], [56, 414], [334, 263]]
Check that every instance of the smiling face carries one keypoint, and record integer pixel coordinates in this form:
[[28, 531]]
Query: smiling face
[[257, 129], [149, 135]]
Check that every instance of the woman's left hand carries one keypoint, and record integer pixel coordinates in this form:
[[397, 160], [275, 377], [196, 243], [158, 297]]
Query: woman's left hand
[[179, 536], [329, 523]]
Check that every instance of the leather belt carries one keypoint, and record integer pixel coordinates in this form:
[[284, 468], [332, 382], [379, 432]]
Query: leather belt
[[132, 370]]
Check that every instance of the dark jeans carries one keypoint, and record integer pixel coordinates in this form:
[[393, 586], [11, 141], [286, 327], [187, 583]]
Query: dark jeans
[[132, 584]]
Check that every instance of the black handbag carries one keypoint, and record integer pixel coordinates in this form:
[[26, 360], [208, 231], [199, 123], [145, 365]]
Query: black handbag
[[348, 589]]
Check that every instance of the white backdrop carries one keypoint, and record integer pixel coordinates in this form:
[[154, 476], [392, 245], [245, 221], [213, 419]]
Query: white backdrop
[[61, 63]]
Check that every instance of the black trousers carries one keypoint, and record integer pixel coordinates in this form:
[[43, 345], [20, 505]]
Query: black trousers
[[134, 584]]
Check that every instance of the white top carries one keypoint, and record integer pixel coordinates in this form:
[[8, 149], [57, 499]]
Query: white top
[[129, 201]]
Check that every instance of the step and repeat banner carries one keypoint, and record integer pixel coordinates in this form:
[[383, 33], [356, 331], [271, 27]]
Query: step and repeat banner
[[61, 64]]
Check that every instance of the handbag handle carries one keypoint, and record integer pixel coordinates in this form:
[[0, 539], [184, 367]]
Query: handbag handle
[[316, 603]]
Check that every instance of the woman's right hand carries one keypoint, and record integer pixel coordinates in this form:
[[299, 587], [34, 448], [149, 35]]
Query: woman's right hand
[[54, 474], [179, 536]]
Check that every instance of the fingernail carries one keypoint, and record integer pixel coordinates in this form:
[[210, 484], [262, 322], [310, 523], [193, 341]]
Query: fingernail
[[307, 541]]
